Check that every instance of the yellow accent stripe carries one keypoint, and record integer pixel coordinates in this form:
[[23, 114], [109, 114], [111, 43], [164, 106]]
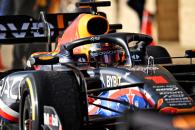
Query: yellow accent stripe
[[46, 57], [32, 97]]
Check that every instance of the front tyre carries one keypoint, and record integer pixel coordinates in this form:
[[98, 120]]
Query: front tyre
[[52, 89]]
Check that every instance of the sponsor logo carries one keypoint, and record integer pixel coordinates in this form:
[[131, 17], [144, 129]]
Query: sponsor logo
[[170, 92], [157, 79], [136, 57], [11, 89], [174, 96], [17, 32], [174, 88], [51, 119], [178, 99], [143, 69], [100, 53], [112, 80], [93, 39]]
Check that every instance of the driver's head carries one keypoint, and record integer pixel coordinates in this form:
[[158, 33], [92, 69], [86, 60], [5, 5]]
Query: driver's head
[[104, 54]]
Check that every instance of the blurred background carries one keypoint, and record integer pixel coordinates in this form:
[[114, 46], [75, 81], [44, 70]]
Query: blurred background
[[169, 22]]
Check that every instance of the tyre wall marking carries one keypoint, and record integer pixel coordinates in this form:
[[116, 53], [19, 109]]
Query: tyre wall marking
[[32, 97]]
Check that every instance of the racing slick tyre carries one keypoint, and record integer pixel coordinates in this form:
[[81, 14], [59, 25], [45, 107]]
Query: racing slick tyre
[[159, 53], [54, 89]]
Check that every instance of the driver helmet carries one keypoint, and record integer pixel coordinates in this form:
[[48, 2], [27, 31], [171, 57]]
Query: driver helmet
[[105, 54]]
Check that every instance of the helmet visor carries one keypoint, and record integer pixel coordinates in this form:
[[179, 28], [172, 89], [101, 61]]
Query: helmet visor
[[107, 57]]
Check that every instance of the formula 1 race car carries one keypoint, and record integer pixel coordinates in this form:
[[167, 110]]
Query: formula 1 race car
[[91, 77]]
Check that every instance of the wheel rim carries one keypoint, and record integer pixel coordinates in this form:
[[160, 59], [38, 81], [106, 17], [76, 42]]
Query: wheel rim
[[27, 112]]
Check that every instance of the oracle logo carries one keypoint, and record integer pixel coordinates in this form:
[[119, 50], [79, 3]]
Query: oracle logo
[[11, 30]]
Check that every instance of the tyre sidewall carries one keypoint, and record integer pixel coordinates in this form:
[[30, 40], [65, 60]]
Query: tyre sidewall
[[30, 87]]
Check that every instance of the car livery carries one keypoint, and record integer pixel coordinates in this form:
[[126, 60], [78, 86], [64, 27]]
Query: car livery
[[67, 89]]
